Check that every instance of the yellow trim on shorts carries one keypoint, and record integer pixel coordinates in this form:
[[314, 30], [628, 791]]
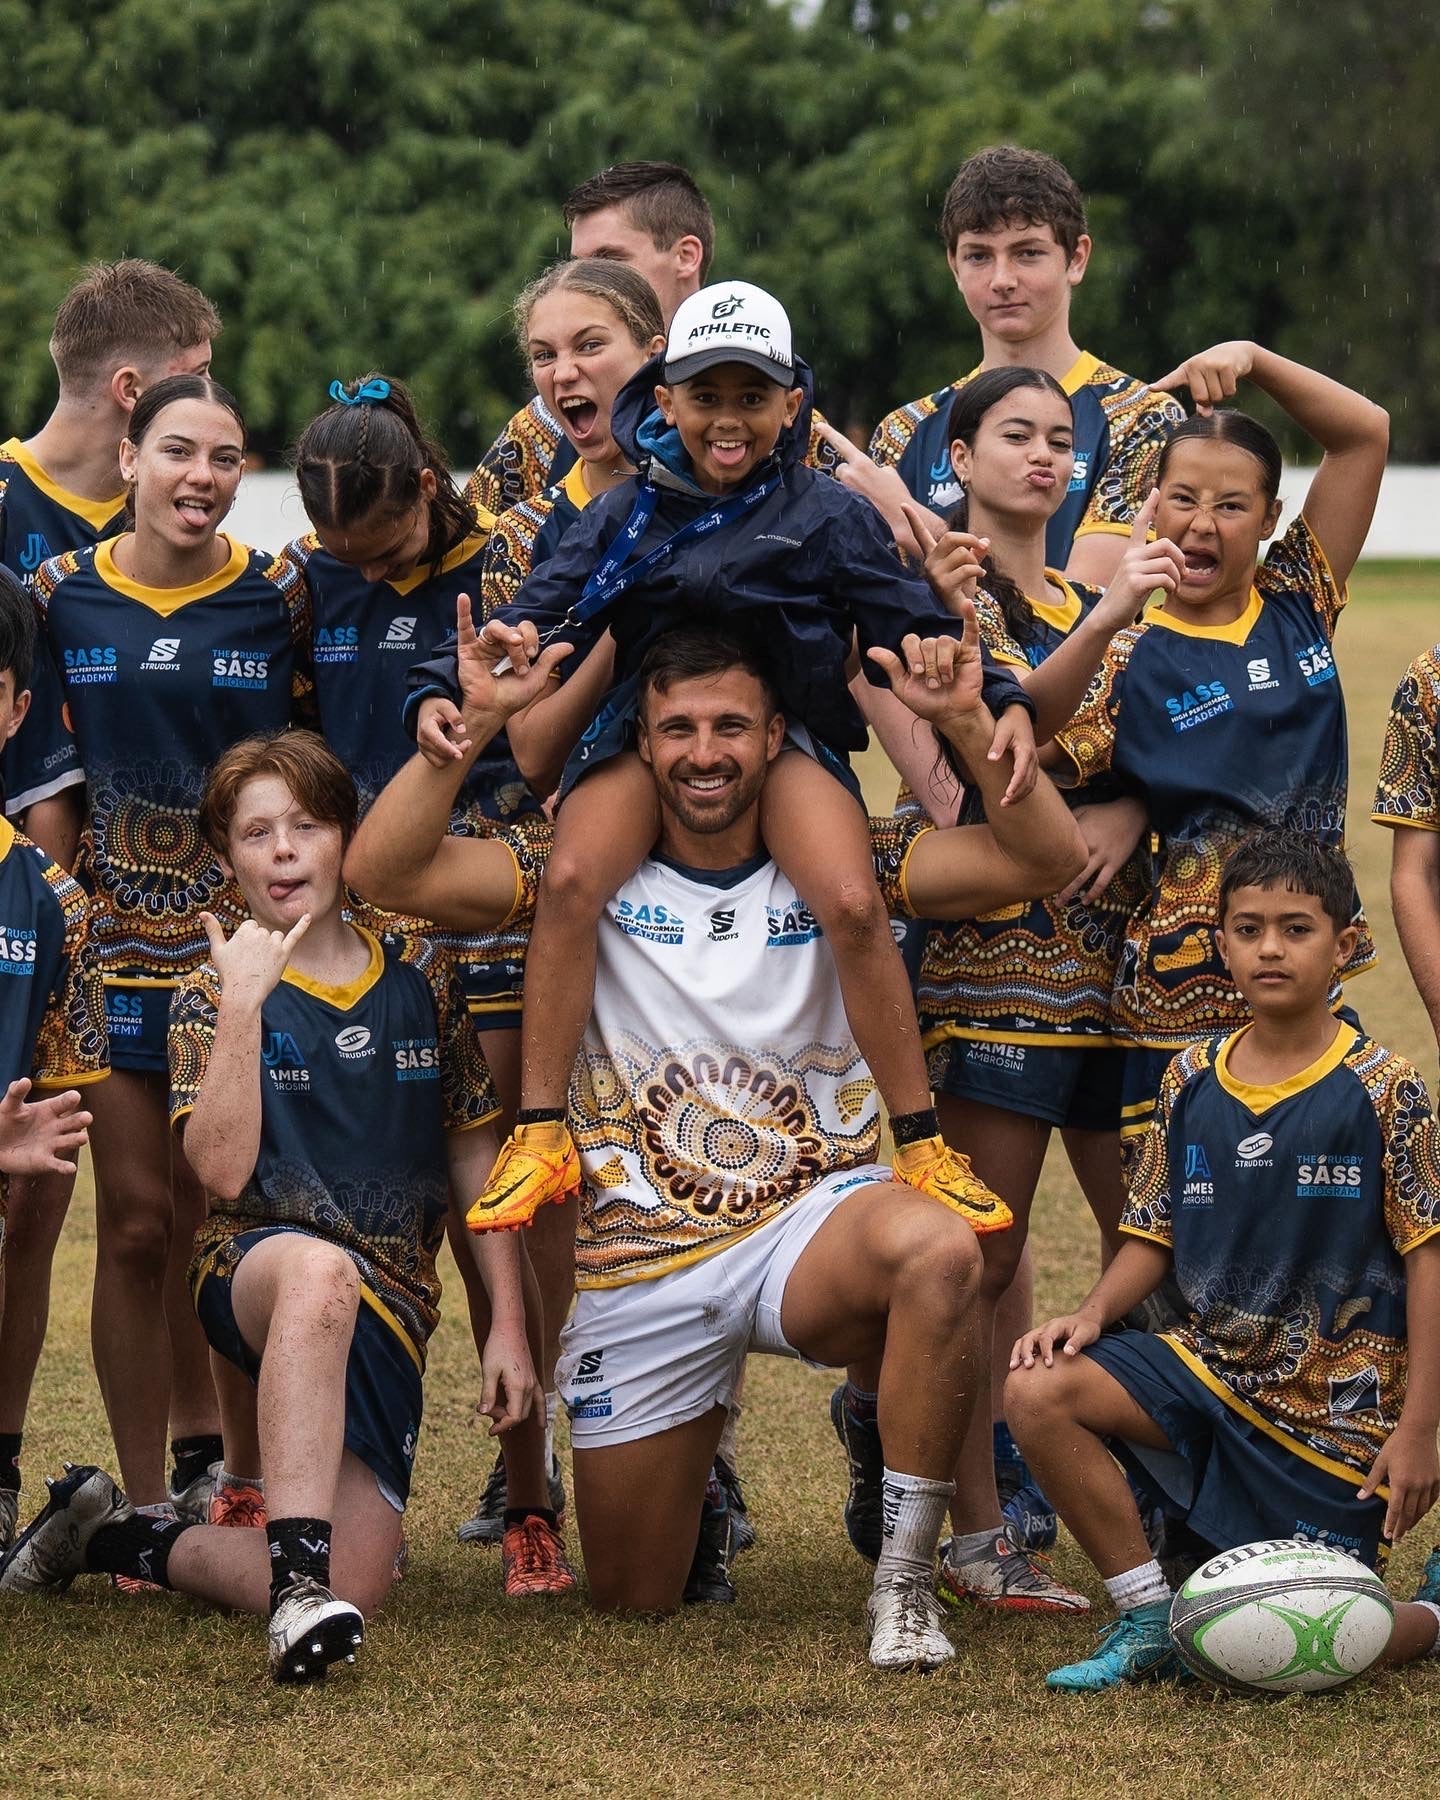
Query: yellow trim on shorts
[[1136, 1107], [519, 887], [1341, 1471], [1042, 1040], [141, 981], [1391, 822], [378, 1306], [61, 1082]]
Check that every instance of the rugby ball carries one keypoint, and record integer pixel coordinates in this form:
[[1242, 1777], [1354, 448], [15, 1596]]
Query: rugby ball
[[1285, 1616]]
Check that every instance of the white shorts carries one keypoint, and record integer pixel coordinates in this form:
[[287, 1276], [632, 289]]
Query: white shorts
[[651, 1355]]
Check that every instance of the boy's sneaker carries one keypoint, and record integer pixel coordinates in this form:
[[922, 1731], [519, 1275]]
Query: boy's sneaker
[[310, 1629], [1029, 1515], [1134, 1647], [932, 1167], [906, 1625], [709, 1583], [860, 1440], [50, 1552], [533, 1563], [1006, 1577], [486, 1525], [742, 1532], [192, 1502], [536, 1164], [9, 1517], [238, 1503], [1429, 1588]]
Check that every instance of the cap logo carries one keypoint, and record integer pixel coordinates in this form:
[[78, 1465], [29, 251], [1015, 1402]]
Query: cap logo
[[722, 309]]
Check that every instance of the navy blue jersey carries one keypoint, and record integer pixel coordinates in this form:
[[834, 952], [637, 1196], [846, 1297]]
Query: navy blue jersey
[[1120, 424], [1221, 729], [52, 1002], [1289, 1210], [358, 1086], [40, 519], [158, 682]]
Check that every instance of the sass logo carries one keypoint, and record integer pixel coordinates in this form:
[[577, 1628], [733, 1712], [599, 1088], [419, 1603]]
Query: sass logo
[[593, 1406], [124, 1014], [722, 926], [416, 1059], [722, 309], [337, 644], [1327, 1172], [163, 654], [1317, 664], [1080, 474], [284, 1063], [793, 923], [36, 551], [239, 668], [91, 664], [18, 947], [1198, 705], [1199, 1187], [654, 924], [400, 633]]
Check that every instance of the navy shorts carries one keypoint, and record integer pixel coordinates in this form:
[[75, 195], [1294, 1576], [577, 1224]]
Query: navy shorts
[[137, 1020], [382, 1376], [1077, 1086], [1231, 1482]]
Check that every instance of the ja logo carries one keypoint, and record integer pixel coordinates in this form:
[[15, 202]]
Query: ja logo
[[1197, 1164], [36, 551], [722, 309], [280, 1051]]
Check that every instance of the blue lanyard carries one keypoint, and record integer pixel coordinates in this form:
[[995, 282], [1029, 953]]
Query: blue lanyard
[[616, 572]]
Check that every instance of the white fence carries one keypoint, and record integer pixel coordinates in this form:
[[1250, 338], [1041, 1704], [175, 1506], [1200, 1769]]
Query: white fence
[[1407, 522]]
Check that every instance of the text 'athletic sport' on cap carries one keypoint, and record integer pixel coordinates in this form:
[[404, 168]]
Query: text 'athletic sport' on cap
[[730, 321]]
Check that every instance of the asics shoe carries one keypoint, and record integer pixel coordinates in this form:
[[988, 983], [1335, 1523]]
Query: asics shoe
[[533, 1563], [1029, 1515], [192, 1502], [1429, 1588], [860, 1440], [709, 1583], [536, 1164], [932, 1167], [486, 1525], [50, 1552], [9, 1517], [309, 1630], [239, 1503], [1134, 1647], [742, 1532], [1006, 1577], [906, 1624]]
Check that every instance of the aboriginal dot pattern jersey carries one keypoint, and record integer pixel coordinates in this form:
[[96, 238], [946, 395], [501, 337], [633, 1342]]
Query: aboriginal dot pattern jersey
[[1120, 424], [40, 519], [158, 682], [52, 1000], [718, 1079], [1408, 792], [358, 1086], [528, 534], [533, 453], [1037, 972], [1221, 729], [1289, 1210]]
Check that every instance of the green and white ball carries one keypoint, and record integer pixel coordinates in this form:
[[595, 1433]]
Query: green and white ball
[[1286, 1616]]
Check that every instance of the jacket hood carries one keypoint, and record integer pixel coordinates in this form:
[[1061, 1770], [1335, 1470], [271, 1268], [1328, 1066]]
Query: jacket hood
[[646, 440]]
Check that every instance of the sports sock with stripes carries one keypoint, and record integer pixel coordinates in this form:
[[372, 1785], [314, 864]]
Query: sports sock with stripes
[[913, 1511], [298, 1548], [138, 1545], [1144, 1585]]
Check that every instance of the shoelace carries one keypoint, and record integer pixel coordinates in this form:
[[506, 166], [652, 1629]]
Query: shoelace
[[531, 1554], [246, 1511], [918, 1608]]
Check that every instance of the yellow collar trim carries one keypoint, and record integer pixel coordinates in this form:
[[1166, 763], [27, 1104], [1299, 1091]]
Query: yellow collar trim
[[7, 838], [1235, 632], [1261, 1099], [1060, 615], [347, 993], [1074, 378], [95, 513], [573, 486], [462, 553], [168, 600]]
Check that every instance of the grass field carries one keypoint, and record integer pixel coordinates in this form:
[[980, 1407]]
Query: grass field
[[104, 1695]]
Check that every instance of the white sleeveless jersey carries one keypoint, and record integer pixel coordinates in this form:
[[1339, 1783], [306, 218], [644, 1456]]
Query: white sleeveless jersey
[[719, 1079]]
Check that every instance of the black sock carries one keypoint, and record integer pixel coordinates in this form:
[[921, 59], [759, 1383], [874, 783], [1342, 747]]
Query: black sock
[[138, 1546], [540, 1115], [298, 1547], [517, 1515], [10, 1461], [910, 1128], [193, 1456]]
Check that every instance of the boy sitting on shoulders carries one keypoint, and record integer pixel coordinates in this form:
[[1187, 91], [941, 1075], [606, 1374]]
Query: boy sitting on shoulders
[[1292, 1179]]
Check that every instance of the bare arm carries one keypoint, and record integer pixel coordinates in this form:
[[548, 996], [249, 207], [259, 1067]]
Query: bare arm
[[544, 733], [54, 824], [1408, 1461], [1415, 897], [1140, 1265], [1095, 557], [510, 1387], [911, 746]]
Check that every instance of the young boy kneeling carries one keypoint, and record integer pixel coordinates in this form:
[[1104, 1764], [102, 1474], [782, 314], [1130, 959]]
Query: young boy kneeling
[[332, 1093], [1292, 1176]]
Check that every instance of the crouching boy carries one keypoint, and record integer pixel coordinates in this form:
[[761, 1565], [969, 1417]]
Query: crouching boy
[[1292, 1178], [332, 1094]]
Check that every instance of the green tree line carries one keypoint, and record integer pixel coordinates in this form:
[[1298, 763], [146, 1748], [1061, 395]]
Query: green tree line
[[366, 183]]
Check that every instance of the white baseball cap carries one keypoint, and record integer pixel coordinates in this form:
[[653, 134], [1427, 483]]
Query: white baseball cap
[[730, 321]]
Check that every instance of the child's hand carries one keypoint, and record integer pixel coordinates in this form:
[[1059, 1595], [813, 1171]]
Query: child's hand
[[1015, 737], [1074, 1331], [951, 560], [502, 668], [251, 963], [440, 734], [509, 1391], [40, 1137], [938, 678], [883, 488], [1143, 568], [1111, 831], [1213, 375], [1410, 1464]]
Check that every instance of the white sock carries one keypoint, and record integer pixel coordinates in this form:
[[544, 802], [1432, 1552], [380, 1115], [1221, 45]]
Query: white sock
[[1142, 1586], [971, 1546], [552, 1412], [1431, 1607], [729, 1446], [225, 1479], [914, 1512]]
